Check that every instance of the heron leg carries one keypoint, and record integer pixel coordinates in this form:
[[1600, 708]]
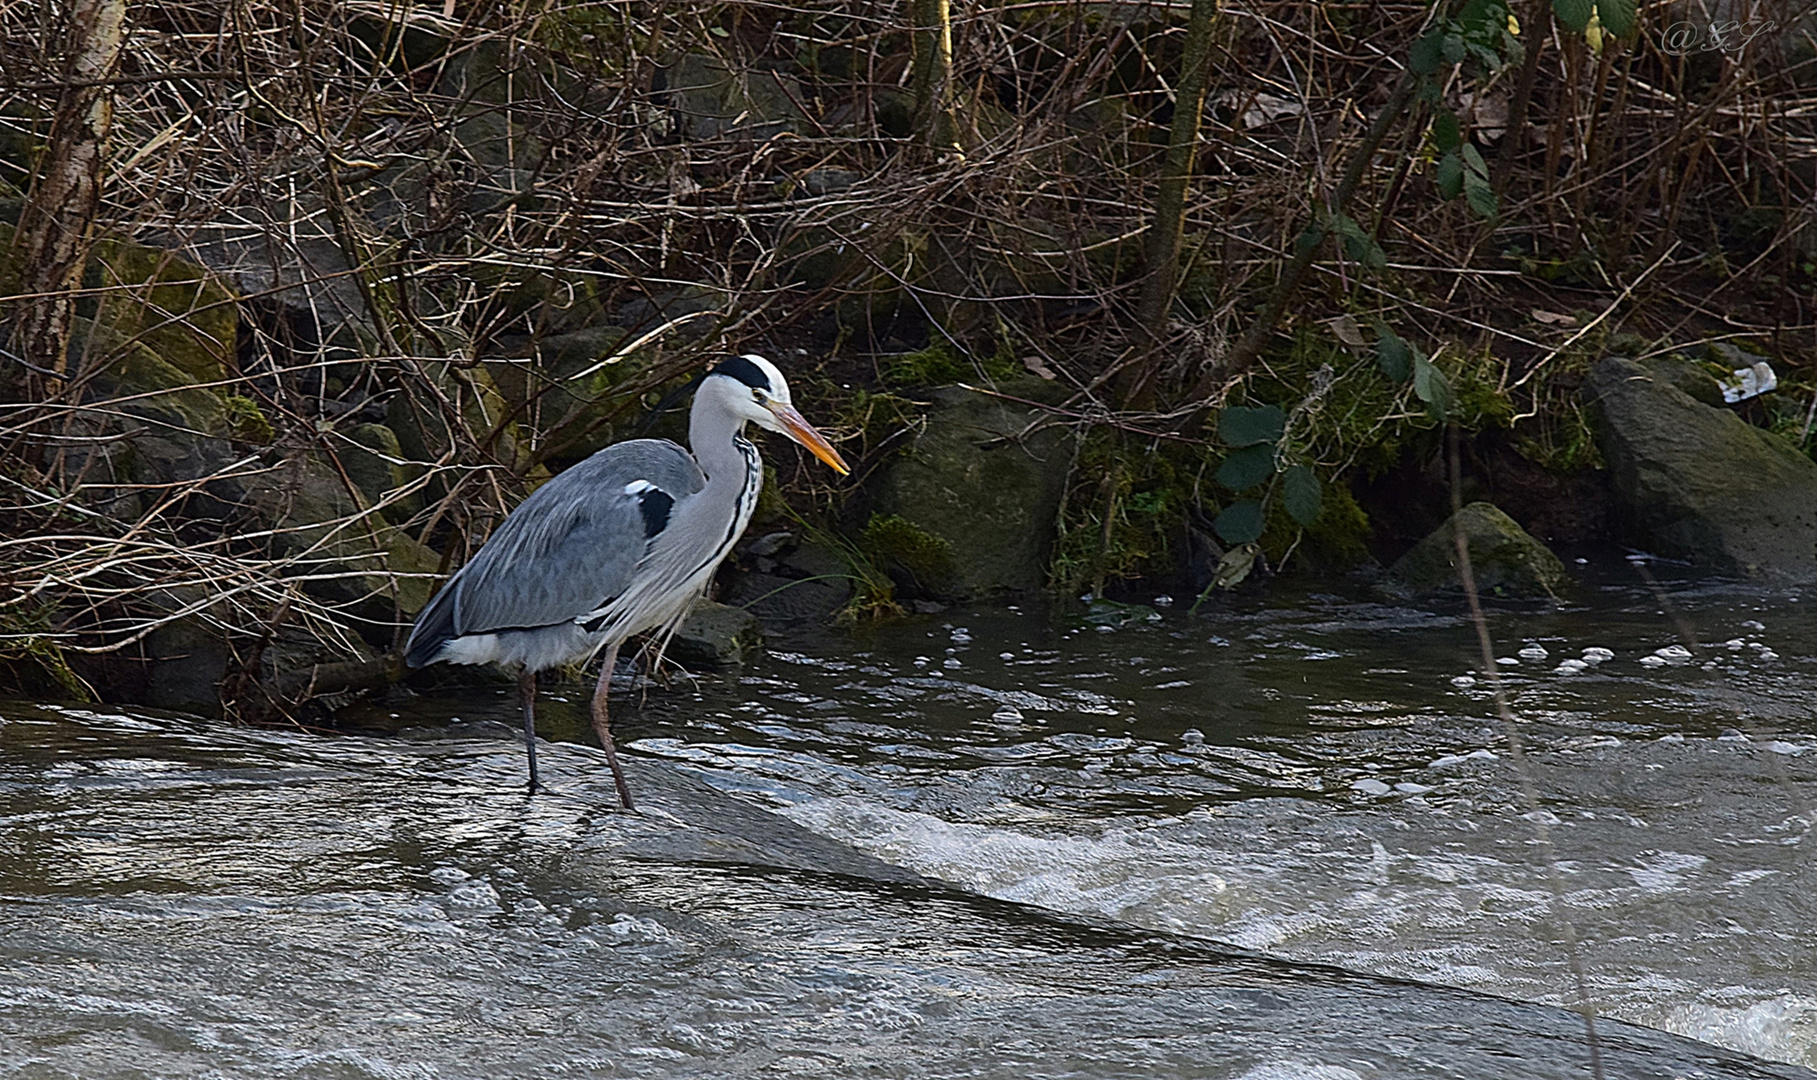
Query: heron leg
[[526, 700], [604, 729]]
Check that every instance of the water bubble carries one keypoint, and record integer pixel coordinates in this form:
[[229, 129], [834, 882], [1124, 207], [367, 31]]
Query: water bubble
[[1463, 682], [1164, 600], [1006, 656], [1652, 661], [1673, 654], [1568, 666], [1007, 714], [1192, 736], [921, 661], [1596, 654], [952, 662], [1766, 654], [1753, 625], [1369, 785], [1735, 643], [1508, 661], [1533, 651]]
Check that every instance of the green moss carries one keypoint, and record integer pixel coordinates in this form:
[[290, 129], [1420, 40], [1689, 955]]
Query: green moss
[[176, 309], [246, 421], [899, 545], [1124, 511], [1339, 539], [941, 363]]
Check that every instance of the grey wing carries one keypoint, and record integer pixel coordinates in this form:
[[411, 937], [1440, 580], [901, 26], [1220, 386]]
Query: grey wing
[[568, 548]]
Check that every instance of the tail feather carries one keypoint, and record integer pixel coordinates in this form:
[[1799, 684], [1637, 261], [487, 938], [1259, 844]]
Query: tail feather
[[434, 628]]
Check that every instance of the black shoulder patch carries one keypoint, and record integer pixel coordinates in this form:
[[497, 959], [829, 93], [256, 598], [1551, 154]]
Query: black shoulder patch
[[655, 503], [745, 372]]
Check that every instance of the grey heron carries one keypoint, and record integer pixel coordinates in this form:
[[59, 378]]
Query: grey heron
[[618, 545]]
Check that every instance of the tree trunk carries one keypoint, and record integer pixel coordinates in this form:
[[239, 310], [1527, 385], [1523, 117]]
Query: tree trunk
[[59, 212], [1163, 246], [935, 125]]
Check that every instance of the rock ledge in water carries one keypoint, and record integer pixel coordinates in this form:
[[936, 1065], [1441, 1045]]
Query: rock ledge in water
[[716, 636], [1504, 558]]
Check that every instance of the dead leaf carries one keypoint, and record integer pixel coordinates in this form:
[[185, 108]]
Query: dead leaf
[[1346, 329], [1552, 318], [1036, 367]]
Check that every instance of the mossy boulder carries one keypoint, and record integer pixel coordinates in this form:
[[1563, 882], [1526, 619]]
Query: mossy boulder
[[374, 461], [984, 478], [357, 555], [1505, 560], [180, 312], [1697, 482], [563, 388], [713, 100], [716, 636]]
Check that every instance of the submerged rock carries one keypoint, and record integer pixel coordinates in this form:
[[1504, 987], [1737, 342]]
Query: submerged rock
[[716, 636], [1505, 559], [981, 487], [1698, 482]]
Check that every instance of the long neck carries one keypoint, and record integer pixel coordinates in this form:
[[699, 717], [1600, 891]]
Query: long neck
[[716, 436]]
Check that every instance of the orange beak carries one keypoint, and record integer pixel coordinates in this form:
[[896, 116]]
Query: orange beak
[[803, 432]]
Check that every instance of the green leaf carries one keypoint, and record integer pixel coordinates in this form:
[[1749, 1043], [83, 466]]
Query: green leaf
[[1302, 495], [1575, 14], [1245, 468], [1480, 195], [1428, 52], [1358, 244], [1450, 175], [1453, 47], [1240, 523], [1473, 160], [1445, 132], [1433, 388], [1240, 425], [1617, 16], [1394, 354]]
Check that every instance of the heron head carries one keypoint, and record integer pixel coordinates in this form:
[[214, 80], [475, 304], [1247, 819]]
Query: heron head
[[762, 397]]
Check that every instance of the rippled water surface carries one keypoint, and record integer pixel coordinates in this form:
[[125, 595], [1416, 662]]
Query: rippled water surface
[[1268, 843]]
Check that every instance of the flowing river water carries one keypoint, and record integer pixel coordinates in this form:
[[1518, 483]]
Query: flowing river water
[[1269, 841]]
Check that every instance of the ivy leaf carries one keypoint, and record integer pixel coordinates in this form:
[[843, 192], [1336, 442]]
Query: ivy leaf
[[1302, 495], [1617, 16], [1575, 14], [1394, 354], [1239, 425], [1433, 388], [1245, 468], [1480, 195], [1450, 175], [1240, 523], [1428, 52], [1445, 132], [1358, 244]]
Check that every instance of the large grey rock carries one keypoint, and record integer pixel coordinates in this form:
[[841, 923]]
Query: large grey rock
[[983, 487], [1698, 482], [1505, 560]]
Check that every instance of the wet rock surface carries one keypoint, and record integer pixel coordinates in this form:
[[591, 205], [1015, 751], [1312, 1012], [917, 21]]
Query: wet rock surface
[[1697, 482], [985, 478], [716, 636]]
